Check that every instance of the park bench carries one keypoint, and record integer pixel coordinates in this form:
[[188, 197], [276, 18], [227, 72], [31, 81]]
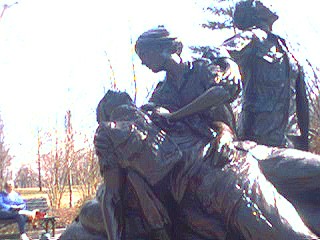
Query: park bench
[[9, 229]]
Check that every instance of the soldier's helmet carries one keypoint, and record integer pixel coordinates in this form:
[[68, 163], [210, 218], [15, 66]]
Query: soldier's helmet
[[251, 13]]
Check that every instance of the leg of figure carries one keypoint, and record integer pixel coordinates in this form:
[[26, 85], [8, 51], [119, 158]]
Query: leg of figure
[[248, 203], [20, 219], [262, 213], [293, 171], [266, 128], [152, 210], [245, 124], [111, 204], [148, 209], [296, 176], [193, 223]]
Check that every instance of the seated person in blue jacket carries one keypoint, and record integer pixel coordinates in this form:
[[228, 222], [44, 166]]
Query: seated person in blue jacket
[[13, 206]]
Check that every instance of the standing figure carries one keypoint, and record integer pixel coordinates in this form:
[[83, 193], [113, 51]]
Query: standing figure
[[270, 74]]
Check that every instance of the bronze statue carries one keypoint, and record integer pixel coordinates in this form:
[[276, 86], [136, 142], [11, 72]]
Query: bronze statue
[[222, 195], [203, 86], [271, 77], [226, 196], [171, 171], [197, 92]]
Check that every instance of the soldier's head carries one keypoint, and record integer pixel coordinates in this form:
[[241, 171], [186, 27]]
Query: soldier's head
[[110, 101], [156, 46], [252, 13]]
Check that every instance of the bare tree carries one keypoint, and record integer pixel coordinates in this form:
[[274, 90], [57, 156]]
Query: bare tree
[[54, 170], [39, 161], [26, 177], [65, 167], [5, 158], [88, 175], [112, 77], [69, 152]]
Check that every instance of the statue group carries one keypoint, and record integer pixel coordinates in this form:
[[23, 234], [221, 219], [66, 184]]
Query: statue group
[[178, 167]]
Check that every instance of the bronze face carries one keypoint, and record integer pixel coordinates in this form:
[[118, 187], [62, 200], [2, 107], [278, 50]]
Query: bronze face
[[152, 59]]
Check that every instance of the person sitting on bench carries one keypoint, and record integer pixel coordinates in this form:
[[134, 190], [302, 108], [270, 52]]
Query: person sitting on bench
[[13, 206]]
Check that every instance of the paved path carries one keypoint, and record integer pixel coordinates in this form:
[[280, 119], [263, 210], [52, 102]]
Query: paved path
[[59, 231]]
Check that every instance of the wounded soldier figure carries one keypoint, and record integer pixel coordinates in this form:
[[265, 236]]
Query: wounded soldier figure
[[225, 194]]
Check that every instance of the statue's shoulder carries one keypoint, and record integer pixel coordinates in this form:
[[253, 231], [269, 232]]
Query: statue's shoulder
[[241, 40]]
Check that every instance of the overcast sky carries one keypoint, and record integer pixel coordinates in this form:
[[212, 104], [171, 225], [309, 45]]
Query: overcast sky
[[54, 55]]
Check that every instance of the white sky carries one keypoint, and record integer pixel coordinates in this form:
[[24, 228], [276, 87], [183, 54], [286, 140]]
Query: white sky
[[52, 56]]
